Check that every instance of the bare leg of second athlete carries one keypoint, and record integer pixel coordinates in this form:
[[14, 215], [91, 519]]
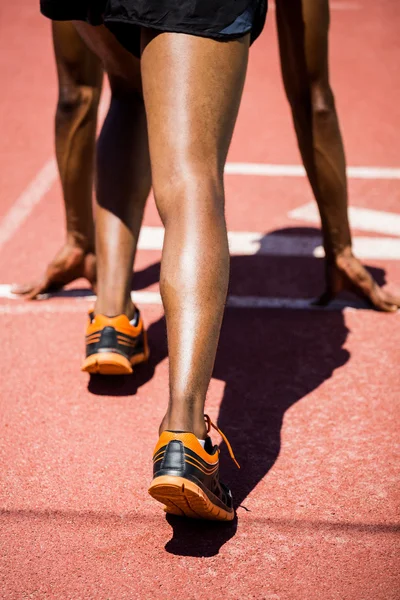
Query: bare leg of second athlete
[[303, 27], [116, 340], [79, 79]]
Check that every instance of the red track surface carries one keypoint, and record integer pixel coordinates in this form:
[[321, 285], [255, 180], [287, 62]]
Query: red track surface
[[307, 399]]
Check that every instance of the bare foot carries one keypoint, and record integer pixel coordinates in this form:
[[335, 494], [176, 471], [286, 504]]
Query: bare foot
[[347, 273], [70, 263]]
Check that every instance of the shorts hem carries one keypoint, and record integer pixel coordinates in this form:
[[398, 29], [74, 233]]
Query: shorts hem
[[206, 33]]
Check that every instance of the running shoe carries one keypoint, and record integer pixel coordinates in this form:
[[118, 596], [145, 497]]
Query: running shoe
[[186, 476], [114, 344]]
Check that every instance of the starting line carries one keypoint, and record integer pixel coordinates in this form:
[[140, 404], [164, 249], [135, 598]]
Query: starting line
[[364, 219], [246, 243], [75, 301], [47, 176]]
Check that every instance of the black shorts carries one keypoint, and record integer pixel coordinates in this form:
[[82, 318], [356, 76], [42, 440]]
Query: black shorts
[[215, 19]]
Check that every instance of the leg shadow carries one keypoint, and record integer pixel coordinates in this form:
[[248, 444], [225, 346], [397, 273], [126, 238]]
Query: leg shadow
[[269, 360]]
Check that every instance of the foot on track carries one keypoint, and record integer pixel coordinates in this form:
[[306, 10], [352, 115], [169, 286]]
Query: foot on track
[[186, 477], [114, 344]]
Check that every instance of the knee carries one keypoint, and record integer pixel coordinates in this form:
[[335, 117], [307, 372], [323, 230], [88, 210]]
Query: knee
[[317, 100], [189, 193], [322, 100], [72, 98]]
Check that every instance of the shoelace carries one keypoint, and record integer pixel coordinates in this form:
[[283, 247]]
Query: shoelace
[[211, 424]]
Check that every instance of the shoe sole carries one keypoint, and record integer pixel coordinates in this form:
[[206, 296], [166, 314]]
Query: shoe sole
[[112, 363], [184, 498]]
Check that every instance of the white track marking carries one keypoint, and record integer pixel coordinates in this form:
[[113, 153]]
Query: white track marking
[[371, 248], [77, 295], [365, 219], [249, 243], [264, 170], [36, 190], [41, 184], [269, 170], [27, 201], [79, 305], [373, 173], [43, 181]]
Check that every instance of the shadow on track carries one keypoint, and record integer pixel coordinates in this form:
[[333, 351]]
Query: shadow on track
[[268, 359]]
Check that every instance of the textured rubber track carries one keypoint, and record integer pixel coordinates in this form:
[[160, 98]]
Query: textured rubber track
[[183, 497], [312, 396]]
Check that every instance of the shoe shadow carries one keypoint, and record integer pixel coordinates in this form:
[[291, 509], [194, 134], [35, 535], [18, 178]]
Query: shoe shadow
[[269, 359], [198, 538]]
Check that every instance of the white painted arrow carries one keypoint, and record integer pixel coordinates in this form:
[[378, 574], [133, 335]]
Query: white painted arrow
[[364, 219]]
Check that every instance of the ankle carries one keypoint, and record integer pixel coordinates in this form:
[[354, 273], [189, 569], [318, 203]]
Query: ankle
[[176, 422], [113, 309], [84, 242], [130, 309]]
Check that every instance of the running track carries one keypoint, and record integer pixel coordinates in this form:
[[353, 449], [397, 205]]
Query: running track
[[308, 399]]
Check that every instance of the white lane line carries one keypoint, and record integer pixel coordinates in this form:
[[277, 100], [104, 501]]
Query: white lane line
[[249, 243], [36, 190], [371, 248], [27, 201], [79, 304], [46, 177], [270, 170], [365, 219], [76, 295]]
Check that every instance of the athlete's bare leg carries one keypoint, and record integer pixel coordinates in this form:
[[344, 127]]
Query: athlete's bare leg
[[192, 88], [79, 80], [303, 27], [123, 173]]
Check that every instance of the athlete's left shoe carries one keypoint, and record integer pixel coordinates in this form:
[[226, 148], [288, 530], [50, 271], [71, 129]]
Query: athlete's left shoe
[[115, 344], [186, 477]]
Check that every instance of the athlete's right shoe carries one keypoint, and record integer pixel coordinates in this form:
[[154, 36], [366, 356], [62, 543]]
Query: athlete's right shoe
[[114, 344], [186, 477]]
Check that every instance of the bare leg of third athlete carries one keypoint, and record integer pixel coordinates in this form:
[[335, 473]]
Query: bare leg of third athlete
[[79, 80], [303, 27]]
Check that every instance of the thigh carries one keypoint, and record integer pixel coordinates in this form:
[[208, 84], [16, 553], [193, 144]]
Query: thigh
[[303, 27], [192, 89], [316, 22], [76, 64], [121, 66]]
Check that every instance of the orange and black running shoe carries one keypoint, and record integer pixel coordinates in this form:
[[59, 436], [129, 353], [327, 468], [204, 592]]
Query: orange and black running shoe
[[186, 477], [114, 344]]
